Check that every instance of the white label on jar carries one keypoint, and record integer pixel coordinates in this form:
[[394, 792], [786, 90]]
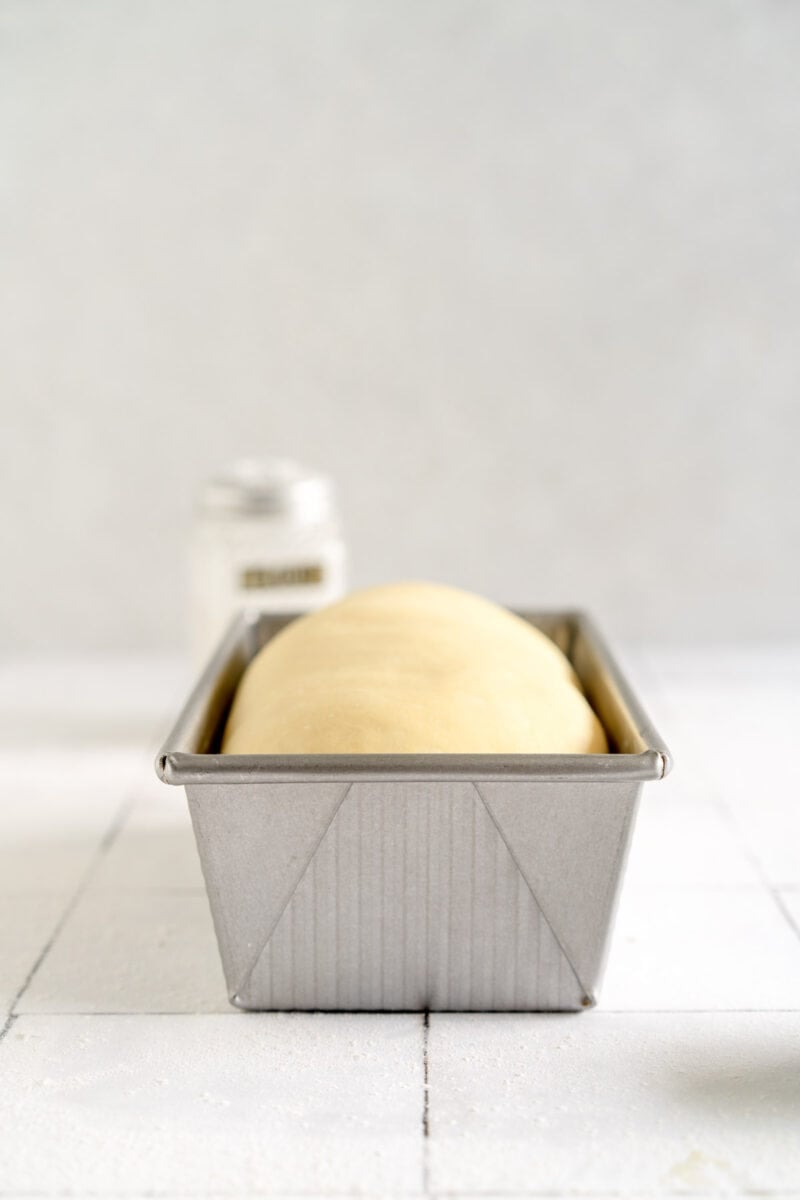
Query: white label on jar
[[303, 575]]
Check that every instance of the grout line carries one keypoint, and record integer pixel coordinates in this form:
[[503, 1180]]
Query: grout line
[[538, 1014], [106, 842], [593, 1194], [757, 866], [140, 1012], [426, 1123], [783, 908], [685, 1012], [426, 1024], [440, 1194], [728, 815], [9, 1021]]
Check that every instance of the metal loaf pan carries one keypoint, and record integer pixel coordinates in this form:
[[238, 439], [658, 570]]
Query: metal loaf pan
[[413, 882]]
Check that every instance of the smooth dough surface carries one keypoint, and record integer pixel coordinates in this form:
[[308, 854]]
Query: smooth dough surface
[[411, 668]]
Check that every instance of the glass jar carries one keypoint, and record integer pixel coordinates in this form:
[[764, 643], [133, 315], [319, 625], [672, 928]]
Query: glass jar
[[266, 537]]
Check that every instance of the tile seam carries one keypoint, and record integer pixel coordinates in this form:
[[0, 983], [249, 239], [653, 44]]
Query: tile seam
[[102, 849], [426, 1111]]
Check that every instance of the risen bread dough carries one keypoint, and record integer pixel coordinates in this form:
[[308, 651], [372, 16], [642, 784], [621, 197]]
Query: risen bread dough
[[411, 668]]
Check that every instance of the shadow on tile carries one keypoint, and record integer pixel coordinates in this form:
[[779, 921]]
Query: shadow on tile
[[155, 850], [131, 952], [767, 1091]]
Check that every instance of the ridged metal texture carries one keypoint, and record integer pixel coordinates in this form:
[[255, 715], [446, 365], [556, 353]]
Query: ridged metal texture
[[413, 882]]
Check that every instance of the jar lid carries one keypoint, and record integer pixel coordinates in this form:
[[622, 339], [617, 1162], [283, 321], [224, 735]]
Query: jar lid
[[268, 487]]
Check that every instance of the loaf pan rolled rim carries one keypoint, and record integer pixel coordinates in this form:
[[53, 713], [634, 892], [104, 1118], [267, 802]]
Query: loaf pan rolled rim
[[187, 755]]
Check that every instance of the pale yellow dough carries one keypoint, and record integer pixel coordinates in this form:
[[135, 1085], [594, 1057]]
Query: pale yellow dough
[[411, 668]]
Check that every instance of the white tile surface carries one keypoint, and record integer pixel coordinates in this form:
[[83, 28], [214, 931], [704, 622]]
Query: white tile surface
[[702, 948], [55, 810], [681, 838], [621, 1104], [732, 718], [85, 707], [50, 838], [155, 847], [263, 1103], [622, 1101], [26, 924], [768, 817], [126, 952]]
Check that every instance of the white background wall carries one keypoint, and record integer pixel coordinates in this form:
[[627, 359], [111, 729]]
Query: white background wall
[[524, 276]]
